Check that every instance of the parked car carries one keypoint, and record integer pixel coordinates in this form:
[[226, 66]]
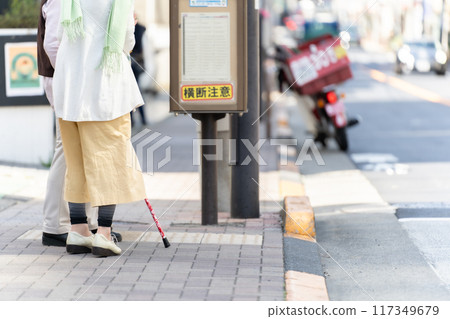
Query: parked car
[[421, 56]]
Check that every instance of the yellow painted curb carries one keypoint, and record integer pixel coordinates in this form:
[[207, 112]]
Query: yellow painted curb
[[305, 287], [299, 219]]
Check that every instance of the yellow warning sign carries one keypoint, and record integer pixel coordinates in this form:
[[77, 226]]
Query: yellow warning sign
[[207, 92]]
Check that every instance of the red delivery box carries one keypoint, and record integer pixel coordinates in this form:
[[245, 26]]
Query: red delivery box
[[317, 64]]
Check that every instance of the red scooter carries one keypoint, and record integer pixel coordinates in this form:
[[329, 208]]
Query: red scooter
[[312, 69], [331, 118]]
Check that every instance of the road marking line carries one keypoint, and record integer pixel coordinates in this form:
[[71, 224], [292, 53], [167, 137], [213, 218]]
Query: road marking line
[[425, 219], [423, 205], [380, 163], [408, 87], [373, 158]]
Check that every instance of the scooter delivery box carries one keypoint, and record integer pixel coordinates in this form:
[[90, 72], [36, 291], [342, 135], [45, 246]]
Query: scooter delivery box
[[317, 64]]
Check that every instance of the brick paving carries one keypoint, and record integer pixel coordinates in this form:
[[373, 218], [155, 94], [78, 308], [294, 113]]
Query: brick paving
[[235, 260]]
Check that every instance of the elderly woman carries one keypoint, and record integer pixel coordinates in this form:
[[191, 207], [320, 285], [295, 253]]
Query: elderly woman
[[94, 92]]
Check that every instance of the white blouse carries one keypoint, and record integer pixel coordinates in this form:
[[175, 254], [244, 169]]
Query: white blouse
[[82, 91]]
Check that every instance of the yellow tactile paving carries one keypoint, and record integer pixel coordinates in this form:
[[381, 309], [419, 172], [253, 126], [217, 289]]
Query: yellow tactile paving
[[175, 237]]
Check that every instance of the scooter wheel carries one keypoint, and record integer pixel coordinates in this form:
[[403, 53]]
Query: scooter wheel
[[321, 138], [341, 138]]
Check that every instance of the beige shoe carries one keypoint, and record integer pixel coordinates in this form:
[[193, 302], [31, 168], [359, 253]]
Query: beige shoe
[[78, 244], [104, 247]]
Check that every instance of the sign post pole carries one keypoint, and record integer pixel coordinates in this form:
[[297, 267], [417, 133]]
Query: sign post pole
[[209, 167], [208, 75], [245, 178]]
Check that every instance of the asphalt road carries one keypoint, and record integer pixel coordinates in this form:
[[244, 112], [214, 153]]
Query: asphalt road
[[411, 135], [383, 208]]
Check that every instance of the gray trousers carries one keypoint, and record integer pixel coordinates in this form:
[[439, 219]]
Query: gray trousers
[[56, 209]]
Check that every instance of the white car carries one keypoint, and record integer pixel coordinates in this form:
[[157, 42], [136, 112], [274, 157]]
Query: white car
[[421, 56]]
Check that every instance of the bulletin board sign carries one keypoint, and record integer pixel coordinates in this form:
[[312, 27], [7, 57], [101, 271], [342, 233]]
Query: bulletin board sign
[[208, 56], [20, 84], [21, 70]]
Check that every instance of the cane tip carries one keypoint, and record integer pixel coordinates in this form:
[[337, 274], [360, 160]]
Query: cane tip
[[166, 243]]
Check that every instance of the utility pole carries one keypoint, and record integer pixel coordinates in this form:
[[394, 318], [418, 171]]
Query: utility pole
[[444, 31], [245, 178]]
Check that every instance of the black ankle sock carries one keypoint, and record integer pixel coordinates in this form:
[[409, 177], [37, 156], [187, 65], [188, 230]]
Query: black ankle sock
[[77, 213], [105, 215]]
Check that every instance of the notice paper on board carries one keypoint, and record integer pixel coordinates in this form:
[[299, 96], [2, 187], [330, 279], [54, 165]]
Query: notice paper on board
[[21, 70], [206, 47], [209, 3]]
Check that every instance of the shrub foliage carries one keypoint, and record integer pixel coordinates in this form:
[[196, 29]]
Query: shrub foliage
[[21, 14]]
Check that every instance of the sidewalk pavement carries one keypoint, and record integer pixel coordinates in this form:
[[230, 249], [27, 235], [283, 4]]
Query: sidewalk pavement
[[236, 260]]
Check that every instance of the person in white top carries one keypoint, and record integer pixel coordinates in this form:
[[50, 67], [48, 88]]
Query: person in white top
[[105, 96], [94, 91], [56, 223]]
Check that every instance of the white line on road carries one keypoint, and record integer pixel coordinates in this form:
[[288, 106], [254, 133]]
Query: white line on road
[[423, 205], [373, 158], [425, 219]]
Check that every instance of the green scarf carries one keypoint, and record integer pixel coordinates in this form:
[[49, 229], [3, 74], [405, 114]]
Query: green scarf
[[72, 21]]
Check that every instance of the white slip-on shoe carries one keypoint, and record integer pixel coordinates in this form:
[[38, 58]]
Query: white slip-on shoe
[[78, 244], [104, 247]]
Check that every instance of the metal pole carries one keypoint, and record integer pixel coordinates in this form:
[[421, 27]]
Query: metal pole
[[264, 83], [424, 3], [209, 168], [443, 35], [209, 173], [245, 178]]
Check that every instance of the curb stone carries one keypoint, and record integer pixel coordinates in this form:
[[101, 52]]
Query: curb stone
[[304, 277]]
